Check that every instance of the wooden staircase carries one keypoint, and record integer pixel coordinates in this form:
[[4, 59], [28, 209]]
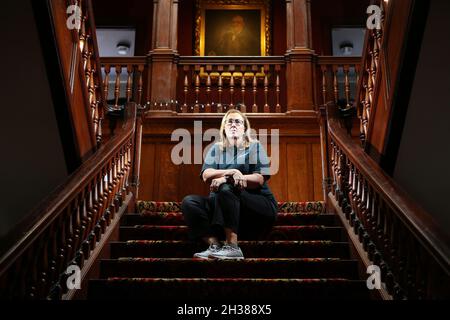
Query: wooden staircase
[[304, 256]]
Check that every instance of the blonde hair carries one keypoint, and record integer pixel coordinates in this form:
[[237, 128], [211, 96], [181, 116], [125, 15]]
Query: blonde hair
[[223, 141]]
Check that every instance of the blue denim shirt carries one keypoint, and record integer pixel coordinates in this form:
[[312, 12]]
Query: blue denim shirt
[[252, 159]]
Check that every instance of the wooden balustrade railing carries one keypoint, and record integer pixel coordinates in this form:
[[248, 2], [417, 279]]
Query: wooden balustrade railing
[[212, 84], [69, 224], [368, 83], [411, 249], [123, 80], [89, 58], [338, 78]]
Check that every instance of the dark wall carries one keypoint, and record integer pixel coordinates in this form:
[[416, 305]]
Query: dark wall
[[422, 166], [32, 162], [326, 14]]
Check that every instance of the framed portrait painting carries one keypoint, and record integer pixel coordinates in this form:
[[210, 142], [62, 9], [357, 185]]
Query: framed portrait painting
[[227, 28]]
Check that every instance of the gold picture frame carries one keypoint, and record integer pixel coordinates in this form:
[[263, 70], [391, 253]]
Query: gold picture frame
[[215, 20]]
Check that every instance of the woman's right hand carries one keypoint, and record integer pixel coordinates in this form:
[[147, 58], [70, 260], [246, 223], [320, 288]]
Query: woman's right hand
[[216, 183], [239, 180]]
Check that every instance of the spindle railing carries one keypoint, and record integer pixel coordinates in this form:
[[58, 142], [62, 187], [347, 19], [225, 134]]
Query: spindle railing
[[87, 42], [338, 78], [213, 84], [368, 84], [404, 241], [70, 223], [123, 80]]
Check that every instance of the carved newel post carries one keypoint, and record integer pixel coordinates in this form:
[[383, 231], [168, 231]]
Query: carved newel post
[[300, 58], [164, 53]]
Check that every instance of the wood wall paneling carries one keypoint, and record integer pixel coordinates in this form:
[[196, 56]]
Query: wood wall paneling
[[299, 177]]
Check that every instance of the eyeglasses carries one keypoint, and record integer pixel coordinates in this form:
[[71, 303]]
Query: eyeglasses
[[237, 122]]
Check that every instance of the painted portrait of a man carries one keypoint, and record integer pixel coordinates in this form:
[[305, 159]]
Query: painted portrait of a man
[[232, 33]]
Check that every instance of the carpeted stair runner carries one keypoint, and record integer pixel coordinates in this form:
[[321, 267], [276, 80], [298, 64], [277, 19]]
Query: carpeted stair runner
[[304, 256]]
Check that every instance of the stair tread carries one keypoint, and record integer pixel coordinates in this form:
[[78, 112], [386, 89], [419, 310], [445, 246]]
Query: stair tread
[[217, 289], [176, 218], [313, 232], [304, 256], [252, 249], [212, 268]]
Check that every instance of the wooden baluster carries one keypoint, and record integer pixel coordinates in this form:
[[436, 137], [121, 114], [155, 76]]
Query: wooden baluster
[[110, 183], [97, 208], [110, 189], [184, 108], [82, 38], [53, 271], [102, 204], [323, 68], [369, 97], [219, 89], [86, 221], [243, 106], [76, 229], [43, 266], [197, 91], [93, 104], [122, 164], [363, 212], [266, 90], [375, 50], [116, 183], [117, 86], [231, 90], [82, 33], [332, 166], [208, 89], [277, 88], [347, 85], [129, 82], [255, 89], [140, 88], [31, 274], [105, 192], [92, 213], [335, 84], [69, 235], [86, 55], [367, 214], [82, 230], [373, 72], [106, 83]]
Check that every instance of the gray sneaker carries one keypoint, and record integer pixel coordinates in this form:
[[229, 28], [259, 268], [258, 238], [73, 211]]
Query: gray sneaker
[[228, 252], [213, 248]]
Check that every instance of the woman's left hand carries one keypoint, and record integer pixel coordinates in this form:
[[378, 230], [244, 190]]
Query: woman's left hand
[[239, 180], [216, 183]]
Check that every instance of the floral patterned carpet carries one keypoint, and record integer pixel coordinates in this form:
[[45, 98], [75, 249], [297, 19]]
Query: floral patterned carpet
[[304, 256]]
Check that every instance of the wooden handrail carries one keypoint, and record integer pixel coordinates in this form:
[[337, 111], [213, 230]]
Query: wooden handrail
[[100, 185], [327, 60], [216, 60], [356, 176], [123, 60]]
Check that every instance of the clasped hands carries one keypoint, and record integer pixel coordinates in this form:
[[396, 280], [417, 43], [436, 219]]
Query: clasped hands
[[234, 176]]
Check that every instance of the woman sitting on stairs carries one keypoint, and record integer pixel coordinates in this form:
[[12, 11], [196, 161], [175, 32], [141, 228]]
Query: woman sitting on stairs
[[240, 202]]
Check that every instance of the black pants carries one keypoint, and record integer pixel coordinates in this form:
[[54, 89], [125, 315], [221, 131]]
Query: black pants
[[247, 214]]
